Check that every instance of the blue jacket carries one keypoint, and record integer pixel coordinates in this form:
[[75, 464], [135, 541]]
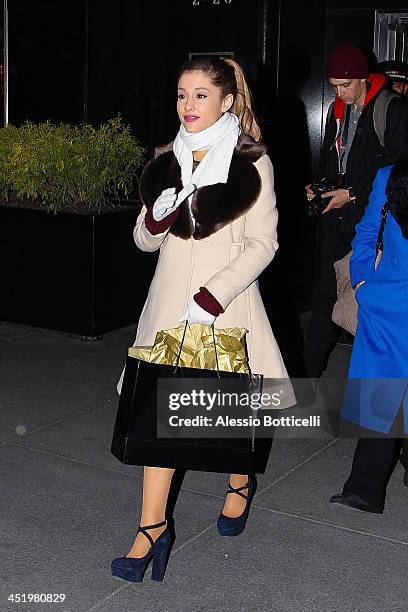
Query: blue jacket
[[378, 372]]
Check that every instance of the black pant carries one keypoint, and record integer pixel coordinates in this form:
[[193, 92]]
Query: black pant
[[373, 463], [404, 454], [323, 333]]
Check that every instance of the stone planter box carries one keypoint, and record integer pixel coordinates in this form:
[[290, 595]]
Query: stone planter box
[[79, 273]]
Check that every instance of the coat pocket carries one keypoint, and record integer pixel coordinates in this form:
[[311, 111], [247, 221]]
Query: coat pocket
[[215, 254]]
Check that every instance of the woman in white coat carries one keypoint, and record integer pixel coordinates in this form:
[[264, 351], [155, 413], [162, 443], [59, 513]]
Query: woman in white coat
[[209, 206]]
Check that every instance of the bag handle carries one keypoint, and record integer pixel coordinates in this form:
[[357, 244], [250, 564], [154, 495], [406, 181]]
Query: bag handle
[[215, 349], [181, 346], [384, 212]]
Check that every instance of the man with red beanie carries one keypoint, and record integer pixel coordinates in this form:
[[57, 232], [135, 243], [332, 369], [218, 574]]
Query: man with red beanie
[[351, 155]]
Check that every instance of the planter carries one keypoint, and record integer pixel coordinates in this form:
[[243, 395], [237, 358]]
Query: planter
[[77, 273]]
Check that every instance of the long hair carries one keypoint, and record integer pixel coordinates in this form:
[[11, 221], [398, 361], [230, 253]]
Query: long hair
[[228, 75], [397, 193]]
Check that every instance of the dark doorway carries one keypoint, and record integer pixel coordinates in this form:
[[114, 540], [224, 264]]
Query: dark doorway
[[47, 44]]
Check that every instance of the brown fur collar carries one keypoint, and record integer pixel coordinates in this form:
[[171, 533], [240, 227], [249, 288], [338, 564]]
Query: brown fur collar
[[213, 206]]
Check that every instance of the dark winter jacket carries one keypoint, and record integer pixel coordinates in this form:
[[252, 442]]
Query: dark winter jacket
[[366, 155]]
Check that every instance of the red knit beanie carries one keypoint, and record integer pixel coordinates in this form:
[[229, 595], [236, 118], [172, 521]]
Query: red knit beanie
[[347, 62]]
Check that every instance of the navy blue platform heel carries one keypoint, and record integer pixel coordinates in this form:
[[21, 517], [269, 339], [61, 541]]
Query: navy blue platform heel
[[228, 526], [133, 569]]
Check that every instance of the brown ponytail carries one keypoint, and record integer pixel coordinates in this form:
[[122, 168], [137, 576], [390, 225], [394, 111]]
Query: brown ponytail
[[227, 74], [242, 106]]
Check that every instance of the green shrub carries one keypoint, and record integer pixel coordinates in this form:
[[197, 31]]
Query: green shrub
[[66, 166]]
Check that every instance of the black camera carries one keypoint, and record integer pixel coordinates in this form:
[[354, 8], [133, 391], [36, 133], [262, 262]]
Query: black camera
[[318, 204]]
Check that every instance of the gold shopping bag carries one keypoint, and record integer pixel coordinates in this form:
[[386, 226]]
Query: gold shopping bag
[[198, 346]]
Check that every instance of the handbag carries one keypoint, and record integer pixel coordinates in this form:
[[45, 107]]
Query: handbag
[[135, 439], [345, 310]]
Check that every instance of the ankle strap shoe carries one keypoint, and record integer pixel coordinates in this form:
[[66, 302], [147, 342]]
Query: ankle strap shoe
[[133, 569], [228, 526]]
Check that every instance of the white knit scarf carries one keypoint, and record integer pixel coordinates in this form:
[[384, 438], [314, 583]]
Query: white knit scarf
[[219, 140]]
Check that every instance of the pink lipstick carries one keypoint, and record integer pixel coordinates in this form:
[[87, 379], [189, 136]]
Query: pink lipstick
[[191, 118]]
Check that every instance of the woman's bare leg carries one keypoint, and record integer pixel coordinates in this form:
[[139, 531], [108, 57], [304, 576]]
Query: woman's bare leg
[[156, 486], [235, 504]]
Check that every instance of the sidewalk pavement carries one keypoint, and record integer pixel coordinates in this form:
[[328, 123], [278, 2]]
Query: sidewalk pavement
[[68, 507]]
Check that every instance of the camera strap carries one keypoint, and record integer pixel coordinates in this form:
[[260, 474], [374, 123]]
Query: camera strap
[[344, 135]]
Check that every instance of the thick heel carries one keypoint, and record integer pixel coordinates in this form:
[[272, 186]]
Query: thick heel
[[160, 558]]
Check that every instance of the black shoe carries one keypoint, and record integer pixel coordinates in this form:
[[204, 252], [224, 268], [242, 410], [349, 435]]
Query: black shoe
[[352, 501], [405, 479], [228, 526], [133, 569]]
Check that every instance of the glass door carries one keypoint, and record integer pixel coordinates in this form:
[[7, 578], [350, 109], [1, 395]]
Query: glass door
[[3, 64]]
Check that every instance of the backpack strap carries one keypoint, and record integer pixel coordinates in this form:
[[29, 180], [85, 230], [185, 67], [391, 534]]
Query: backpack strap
[[384, 98]]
